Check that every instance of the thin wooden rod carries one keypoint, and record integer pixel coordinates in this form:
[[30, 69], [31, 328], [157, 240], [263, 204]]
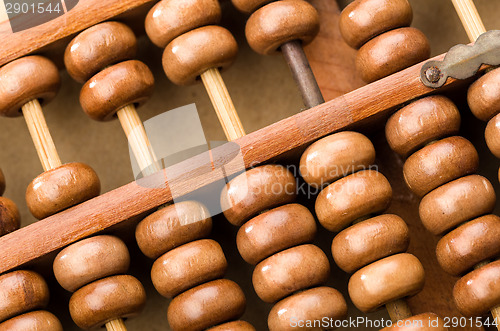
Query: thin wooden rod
[[40, 134], [224, 107], [470, 18], [302, 73], [398, 310], [116, 325], [138, 140]]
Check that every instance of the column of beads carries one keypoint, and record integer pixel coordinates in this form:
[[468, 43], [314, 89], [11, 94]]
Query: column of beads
[[275, 235], [285, 26], [380, 30], [196, 49], [440, 168], [374, 248], [22, 293], [184, 263], [25, 84]]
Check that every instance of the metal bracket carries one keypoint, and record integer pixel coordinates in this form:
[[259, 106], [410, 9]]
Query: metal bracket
[[463, 61]]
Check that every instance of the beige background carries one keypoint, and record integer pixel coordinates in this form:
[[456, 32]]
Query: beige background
[[263, 93]]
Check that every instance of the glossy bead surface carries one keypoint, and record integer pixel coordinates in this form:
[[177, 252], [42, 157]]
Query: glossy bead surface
[[336, 156], [484, 96], [249, 6], [289, 271], [233, 326], [275, 230], [61, 188], [10, 220], [357, 195], [33, 321], [256, 190], [492, 135], [172, 226]]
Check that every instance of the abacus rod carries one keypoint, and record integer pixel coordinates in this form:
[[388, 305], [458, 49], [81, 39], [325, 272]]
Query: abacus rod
[[302, 73], [398, 310], [116, 325], [470, 18], [40, 134]]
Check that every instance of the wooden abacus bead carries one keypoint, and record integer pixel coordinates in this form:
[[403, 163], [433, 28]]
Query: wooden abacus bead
[[194, 52], [439, 163], [233, 326], [173, 226], [289, 271], [386, 280], [369, 241], [89, 260], [123, 84], [336, 156], [275, 230], [10, 220], [492, 135], [2, 183], [206, 305], [169, 19], [357, 195], [105, 300], [279, 22], [256, 190], [310, 305], [21, 291], [26, 79], [484, 96], [422, 122], [456, 202], [479, 291], [249, 6], [385, 54], [61, 188], [420, 322], [188, 266], [362, 20], [469, 244], [98, 47], [36, 320]]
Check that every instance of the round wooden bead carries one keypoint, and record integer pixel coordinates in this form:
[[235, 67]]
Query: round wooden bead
[[492, 135], [310, 305], [289, 271], [478, 291], [98, 47], [421, 322], [422, 122], [193, 53], [206, 305], [275, 230], [2, 183], [61, 188], [37, 320], [280, 22], [105, 300], [484, 96], [439, 163], [469, 244], [256, 190], [188, 266], [386, 280], [370, 240], [362, 20], [383, 55], [115, 87], [173, 226], [233, 326], [10, 220], [21, 291], [336, 156], [171, 18], [89, 260], [357, 195], [249, 6], [26, 79], [456, 202]]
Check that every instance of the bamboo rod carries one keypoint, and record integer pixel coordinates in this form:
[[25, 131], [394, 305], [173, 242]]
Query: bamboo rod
[[470, 18], [138, 140], [116, 325], [40, 134], [398, 310], [224, 107]]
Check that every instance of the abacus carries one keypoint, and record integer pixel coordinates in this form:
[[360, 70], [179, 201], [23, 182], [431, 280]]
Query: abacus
[[364, 236]]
